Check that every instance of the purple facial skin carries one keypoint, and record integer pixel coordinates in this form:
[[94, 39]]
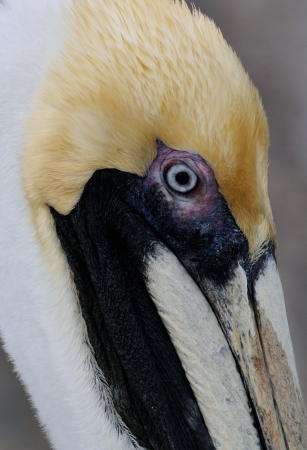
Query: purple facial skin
[[194, 205], [196, 225]]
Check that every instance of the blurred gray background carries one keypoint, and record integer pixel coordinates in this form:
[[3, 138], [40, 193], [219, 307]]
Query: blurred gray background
[[271, 39]]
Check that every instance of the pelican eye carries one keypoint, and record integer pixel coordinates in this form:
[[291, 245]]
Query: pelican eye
[[181, 178]]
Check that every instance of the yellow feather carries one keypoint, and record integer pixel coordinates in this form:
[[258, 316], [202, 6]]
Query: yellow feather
[[132, 71]]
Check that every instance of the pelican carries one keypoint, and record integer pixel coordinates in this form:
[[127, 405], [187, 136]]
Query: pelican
[[140, 299]]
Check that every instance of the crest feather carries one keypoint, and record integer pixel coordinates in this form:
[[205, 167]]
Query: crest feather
[[132, 71]]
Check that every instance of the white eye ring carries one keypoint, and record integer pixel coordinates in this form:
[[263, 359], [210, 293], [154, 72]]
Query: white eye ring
[[181, 178]]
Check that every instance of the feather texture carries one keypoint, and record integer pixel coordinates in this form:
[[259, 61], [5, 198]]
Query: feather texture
[[131, 71], [40, 321]]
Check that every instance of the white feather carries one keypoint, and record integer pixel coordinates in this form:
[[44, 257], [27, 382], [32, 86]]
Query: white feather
[[40, 321]]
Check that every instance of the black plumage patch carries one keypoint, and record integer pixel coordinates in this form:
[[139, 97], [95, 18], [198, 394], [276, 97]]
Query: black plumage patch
[[106, 239]]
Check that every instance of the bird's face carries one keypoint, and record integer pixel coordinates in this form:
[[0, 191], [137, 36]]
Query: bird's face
[[175, 305], [146, 160]]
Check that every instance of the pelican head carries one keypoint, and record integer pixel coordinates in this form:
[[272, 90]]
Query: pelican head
[[141, 303]]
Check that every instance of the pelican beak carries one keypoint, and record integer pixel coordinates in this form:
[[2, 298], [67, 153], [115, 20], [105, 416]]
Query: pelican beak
[[246, 298], [250, 309], [223, 310]]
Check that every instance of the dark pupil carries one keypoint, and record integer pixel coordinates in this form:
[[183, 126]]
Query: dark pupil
[[182, 178]]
